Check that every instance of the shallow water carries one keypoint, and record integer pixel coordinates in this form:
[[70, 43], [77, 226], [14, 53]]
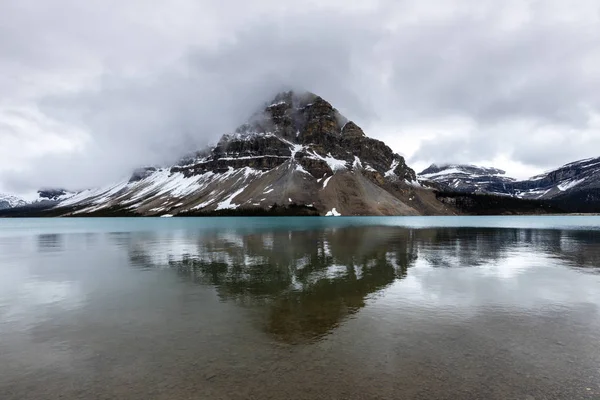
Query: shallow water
[[303, 308]]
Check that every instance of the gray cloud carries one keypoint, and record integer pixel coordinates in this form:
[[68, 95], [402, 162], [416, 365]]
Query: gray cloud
[[167, 78], [451, 149], [465, 66]]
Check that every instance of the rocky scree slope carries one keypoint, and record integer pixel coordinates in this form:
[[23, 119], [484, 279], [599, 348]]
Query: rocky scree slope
[[298, 151]]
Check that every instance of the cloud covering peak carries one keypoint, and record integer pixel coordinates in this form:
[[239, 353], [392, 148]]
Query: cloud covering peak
[[92, 90]]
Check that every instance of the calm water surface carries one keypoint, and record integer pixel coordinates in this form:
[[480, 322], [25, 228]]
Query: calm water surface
[[300, 308]]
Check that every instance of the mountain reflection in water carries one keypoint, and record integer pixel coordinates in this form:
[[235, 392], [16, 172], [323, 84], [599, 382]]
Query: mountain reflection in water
[[303, 284], [300, 308]]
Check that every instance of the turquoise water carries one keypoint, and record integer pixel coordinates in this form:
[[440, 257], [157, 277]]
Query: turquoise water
[[18, 226], [303, 308]]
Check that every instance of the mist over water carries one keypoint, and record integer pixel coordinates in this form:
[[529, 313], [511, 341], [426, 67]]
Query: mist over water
[[309, 308]]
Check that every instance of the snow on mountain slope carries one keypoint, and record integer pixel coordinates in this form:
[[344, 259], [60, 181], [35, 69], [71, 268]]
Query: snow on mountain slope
[[45, 195], [298, 150], [468, 178], [579, 179], [51, 195], [10, 201], [575, 183]]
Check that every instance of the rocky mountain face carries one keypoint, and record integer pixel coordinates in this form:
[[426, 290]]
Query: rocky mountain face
[[575, 186], [8, 201], [53, 194], [298, 151]]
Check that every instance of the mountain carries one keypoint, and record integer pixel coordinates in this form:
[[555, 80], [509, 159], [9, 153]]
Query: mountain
[[467, 178], [45, 198], [296, 155], [574, 186], [54, 194], [299, 156], [9, 201]]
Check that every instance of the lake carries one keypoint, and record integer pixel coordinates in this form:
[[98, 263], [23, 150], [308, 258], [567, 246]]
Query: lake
[[300, 308]]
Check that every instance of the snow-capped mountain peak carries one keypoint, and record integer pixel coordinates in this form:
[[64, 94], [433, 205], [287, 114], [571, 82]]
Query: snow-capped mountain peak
[[466, 169], [578, 179], [10, 201], [575, 185], [297, 150], [466, 178]]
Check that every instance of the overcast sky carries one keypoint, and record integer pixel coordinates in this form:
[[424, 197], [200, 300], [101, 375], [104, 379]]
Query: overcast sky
[[91, 89]]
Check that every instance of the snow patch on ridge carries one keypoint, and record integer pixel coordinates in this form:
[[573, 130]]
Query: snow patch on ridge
[[204, 204], [295, 149], [568, 185], [333, 163], [299, 168], [249, 157], [414, 184], [13, 201], [226, 204], [94, 193], [333, 213], [245, 136], [277, 104], [394, 165]]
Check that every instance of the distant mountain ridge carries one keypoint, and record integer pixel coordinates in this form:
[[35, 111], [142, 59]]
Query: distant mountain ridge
[[462, 168], [54, 194], [10, 201], [44, 198], [575, 186], [467, 178]]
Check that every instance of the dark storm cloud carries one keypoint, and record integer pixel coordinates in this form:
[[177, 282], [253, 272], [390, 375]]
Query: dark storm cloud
[[168, 78]]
